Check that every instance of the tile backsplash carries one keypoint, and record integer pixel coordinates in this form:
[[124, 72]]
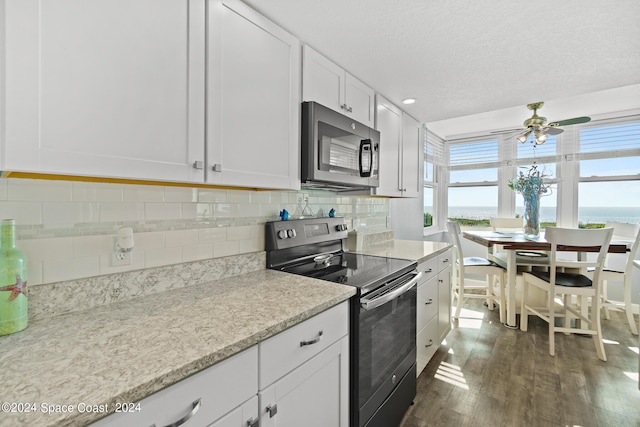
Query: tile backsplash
[[67, 228]]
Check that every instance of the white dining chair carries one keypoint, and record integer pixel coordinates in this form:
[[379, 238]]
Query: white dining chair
[[495, 276], [525, 260], [560, 280]]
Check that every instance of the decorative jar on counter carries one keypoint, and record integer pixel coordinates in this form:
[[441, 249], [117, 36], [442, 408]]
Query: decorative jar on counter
[[13, 281]]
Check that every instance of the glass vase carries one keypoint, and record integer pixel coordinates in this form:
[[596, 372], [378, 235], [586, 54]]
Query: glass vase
[[531, 215], [13, 281]]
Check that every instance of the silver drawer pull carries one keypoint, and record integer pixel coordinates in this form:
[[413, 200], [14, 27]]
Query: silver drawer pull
[[253, 422], [429, 270], [430, 344], [445, 260], [194, 408], [272, 410], [429, 301], [314, 341]]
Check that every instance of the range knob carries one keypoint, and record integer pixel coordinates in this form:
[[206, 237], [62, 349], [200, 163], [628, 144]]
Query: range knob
[[291, 233], [341, 227], [282, 234]]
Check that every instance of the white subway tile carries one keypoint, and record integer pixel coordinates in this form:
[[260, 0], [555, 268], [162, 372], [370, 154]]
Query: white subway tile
[[143, 193], [247, 210], [159, 211], [212, 235], [238, 196], [197, 252], [211, 195], [47, 249], [165, 256], [110, 211], [149, 241], [181, 238], [56, 270], [180, 194], [93, 245], [39, 190], [25, 213], [252, 245], [3, 189], [261, 197], [34, 272], [225, 210], [239, 233], [65, 213], [204, 210], [96, 192], [222, 249]]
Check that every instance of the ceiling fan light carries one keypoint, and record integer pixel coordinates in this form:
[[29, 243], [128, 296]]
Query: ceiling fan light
[[523, 138], [541, 137]]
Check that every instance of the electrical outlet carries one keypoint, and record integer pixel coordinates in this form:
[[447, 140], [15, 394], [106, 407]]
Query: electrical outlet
[[119, 259]]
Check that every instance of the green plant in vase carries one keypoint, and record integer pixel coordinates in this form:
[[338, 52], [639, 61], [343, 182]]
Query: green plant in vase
[[532, 186]]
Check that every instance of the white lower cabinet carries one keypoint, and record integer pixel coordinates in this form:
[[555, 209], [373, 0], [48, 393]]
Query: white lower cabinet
[[215, 394], [304, 373], [433, 311], [299, 377]]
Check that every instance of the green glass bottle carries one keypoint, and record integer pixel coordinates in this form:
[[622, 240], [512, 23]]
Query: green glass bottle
[[13, 281]]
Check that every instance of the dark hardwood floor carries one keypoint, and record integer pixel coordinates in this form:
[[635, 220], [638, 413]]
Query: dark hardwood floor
[[488, 375]]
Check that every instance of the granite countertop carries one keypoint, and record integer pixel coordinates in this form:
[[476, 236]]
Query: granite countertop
[[126, 351], [415, 250]]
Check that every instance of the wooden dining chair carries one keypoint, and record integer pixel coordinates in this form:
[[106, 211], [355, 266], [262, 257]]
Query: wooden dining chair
[[565, 278], [495, 275], [623, 232]]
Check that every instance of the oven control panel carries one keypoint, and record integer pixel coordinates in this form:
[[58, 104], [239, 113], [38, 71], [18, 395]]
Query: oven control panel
[[287, 234]]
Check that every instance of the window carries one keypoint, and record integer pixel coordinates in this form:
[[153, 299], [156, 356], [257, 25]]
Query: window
[[433, 160], [473, 181], [609, 178]]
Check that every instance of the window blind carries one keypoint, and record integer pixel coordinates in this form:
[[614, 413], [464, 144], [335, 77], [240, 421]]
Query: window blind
[[473, 152], [611, 140]]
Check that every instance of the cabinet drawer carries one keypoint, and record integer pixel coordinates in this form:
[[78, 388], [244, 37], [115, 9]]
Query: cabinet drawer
[[426, 344], [429, 269], [291, 348], [444, 260], [427, 303], [208, 395]]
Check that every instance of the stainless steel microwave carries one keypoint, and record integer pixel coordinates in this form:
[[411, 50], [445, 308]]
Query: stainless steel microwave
[[338, 153]]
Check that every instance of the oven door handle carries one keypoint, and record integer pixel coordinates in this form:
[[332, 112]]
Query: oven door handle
[[369, 304]]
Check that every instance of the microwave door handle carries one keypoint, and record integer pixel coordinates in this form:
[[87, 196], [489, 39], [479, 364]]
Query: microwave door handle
[[365, 144], [369, 304]]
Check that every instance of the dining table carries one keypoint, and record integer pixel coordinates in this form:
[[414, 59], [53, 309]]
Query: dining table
[[525, 250]]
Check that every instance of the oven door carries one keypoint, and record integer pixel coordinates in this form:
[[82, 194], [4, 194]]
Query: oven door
[[386, 343]]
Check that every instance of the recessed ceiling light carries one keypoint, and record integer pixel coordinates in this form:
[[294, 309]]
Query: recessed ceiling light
[[408, 101]]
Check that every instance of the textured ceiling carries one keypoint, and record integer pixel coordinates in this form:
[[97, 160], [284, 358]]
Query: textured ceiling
[[461, 58]]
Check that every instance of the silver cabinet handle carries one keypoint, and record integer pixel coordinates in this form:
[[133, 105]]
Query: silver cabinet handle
[[430, 343], [198, 164], [253, 422], [272, 410], [216, 167], [349, 110], [314, 341], [429, 270], [429, 301], [445, 260], [194, 408], [343, 106]]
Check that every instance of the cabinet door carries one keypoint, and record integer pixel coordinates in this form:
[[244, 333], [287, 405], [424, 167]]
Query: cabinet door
[[412, 157], [105, 88], [243, 416], [444, 302], [323, 81], [389, 123], [254, 100], [314, 395], [360, 100]]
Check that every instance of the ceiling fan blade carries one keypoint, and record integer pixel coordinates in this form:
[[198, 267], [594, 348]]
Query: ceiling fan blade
[[554, 131], [574, 121]]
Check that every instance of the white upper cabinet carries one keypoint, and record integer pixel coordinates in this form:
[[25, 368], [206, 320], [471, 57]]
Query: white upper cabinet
[[330, 85], [105, 88], [254, 100], [412, 157], [400, 151]]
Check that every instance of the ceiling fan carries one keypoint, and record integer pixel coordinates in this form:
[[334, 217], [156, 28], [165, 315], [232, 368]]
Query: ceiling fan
[[538, 127]]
